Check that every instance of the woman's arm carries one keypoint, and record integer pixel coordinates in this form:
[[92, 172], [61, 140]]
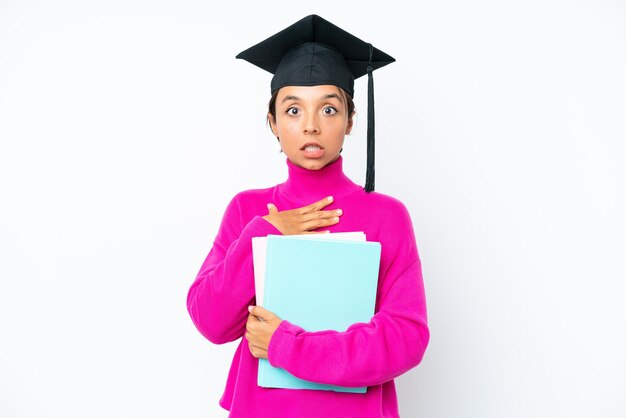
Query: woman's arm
[[366, 354], [218, 299]]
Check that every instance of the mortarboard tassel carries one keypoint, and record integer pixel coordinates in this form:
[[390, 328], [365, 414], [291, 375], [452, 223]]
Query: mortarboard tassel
[[369, 177]]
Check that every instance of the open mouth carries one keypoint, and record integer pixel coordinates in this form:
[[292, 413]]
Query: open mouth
[[313, 150], [311, 146]]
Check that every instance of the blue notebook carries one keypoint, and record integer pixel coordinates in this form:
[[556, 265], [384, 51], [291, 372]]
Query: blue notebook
[[318, 284]]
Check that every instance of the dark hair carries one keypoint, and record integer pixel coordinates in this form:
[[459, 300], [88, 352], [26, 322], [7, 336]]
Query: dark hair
[[347, 98]]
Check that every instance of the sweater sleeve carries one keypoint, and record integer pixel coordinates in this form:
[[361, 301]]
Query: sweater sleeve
[[366, 354], [218, 299]]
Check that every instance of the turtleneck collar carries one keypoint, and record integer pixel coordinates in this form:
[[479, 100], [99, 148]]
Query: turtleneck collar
[[307, 186]]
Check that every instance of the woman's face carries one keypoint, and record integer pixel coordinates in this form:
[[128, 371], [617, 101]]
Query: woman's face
[[311, 115]]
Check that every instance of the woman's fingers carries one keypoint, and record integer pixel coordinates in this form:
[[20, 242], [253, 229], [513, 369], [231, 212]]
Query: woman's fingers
[[319, 205], [313, 217], [304, 219], [271, 208], [319, 222], [322, 214]]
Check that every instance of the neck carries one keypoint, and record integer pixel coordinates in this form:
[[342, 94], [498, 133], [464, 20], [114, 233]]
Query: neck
[[308, 186]]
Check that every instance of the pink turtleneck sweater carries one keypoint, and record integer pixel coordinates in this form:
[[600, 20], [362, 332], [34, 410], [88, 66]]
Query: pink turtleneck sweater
[[366, 354]]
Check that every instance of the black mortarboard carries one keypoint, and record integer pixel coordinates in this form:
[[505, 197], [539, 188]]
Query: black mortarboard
[[312, 52]]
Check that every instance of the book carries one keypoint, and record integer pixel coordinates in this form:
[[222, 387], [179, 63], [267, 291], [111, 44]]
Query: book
[[259, 249], [318, 284]]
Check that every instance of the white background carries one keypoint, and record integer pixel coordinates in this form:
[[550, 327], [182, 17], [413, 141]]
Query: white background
[[127, 126]]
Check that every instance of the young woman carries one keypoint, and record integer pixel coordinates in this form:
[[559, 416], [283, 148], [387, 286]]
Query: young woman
[[314, 65]]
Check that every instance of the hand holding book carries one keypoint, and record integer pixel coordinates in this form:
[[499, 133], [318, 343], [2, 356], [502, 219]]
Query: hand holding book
[[260, 327], [333, 292]]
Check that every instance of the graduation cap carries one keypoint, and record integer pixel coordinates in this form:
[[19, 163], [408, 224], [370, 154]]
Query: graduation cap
[[314, 52]]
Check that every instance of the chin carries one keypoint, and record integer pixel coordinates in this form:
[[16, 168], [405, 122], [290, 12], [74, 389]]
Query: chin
[[314, 164]]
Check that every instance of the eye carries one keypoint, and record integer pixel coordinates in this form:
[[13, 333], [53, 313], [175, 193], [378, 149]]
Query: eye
[[293, 111], [329, 110]]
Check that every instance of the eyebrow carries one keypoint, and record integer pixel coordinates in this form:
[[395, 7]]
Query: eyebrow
[[290, 98], [331, 96], [328, 96]]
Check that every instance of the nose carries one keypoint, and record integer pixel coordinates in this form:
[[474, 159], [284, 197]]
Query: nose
[[311, 124]]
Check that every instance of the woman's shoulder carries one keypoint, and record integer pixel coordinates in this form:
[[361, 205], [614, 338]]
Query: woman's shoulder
[[385, 202], [388, 209], [392, 224]]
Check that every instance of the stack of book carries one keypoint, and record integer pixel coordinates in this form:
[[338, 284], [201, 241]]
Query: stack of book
[[318, 282]]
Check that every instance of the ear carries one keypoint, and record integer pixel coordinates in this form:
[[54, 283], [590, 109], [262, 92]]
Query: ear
[[350, 124], [272, 122]]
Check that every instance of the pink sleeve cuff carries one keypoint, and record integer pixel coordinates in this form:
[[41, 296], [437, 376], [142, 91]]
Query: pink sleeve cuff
[[282, 342], [260, 227]]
